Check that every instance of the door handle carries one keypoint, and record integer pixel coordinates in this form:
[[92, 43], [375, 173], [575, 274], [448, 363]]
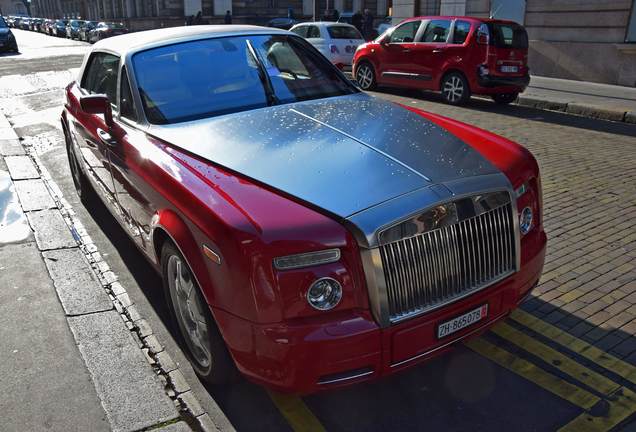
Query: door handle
[[405, 50], [106, 138], [438, 50]]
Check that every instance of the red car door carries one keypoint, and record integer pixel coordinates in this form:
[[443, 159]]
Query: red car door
[[431, 52], [86, 130], [131, 168], [395, 57]]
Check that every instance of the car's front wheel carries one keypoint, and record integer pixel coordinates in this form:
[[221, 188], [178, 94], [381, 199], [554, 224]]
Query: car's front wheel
[[365, 76], [455, 89], [82, 186], [205, 347], [504, 98]]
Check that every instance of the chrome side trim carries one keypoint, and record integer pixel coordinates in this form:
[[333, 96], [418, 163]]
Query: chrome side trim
[[414, 76], [424, 354], [347, 378]]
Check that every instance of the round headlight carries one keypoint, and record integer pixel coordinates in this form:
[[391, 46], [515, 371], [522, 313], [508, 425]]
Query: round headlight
[[324, 294], [525, 220]]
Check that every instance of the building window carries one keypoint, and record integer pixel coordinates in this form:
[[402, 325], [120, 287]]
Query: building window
[[631, 28]]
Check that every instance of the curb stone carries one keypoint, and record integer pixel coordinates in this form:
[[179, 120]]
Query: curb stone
[[164, 366], [580, 109]]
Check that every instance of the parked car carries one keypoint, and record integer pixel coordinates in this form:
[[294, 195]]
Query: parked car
[[73, 27], [306, 232], [105, 30], [24, 23], [337, 42], [85, 28], [35, 23], [59, 28], [47, 26], [458, 56], [7, 39], [282, 23]]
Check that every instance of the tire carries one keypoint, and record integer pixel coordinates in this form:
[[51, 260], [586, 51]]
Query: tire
[[455, 89], [204, 344], [504, 98], [365, 76], [84, 189]]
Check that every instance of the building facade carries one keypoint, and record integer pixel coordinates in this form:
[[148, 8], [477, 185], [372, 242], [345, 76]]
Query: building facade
[[13, 7], [589, 40], [146, 14]]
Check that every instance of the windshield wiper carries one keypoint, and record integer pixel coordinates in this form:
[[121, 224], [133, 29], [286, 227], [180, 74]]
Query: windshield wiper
[[264, 76]]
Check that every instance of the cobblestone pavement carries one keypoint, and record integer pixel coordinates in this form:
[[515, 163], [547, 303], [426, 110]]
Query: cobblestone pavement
[[554, 355]]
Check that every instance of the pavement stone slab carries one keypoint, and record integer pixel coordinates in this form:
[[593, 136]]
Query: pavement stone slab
[[44, 382], [21, 167], [7, 133], [33, 195], [11, 147], [175, 427], [77, 286], [131, 393], [51, 232]]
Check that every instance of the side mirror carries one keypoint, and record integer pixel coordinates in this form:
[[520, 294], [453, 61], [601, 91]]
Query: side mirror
[[384, 41], [97, 104]]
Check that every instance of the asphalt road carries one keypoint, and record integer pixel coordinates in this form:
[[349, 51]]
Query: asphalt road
[[504, 382]]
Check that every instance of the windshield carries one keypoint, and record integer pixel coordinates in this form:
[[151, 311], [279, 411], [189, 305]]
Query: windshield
[[115, 25], [344, 32], [205, 78], [508, 35]]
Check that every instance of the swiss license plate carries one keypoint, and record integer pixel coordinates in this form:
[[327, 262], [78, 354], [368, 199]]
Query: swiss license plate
[[511, 69], [462, 321]]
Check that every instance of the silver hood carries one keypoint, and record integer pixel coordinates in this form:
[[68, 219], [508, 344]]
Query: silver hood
[[345, 155]]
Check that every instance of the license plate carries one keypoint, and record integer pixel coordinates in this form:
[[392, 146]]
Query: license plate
[[462, 321], [512, 69]]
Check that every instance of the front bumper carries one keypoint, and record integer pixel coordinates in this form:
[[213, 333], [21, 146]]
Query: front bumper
[[309, 356]]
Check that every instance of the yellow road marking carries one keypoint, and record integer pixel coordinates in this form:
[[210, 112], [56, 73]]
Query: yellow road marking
[[622, 405], [576, 345], [299, 417], [565, 364], [577, 396]]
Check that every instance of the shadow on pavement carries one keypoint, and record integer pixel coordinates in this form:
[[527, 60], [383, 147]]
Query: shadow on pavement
[[523, 112]]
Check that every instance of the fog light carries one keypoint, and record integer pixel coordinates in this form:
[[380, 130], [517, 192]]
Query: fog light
[[525, 220], [324, 294]]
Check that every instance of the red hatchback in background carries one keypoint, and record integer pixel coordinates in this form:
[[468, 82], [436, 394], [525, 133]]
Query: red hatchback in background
[[458, 56]]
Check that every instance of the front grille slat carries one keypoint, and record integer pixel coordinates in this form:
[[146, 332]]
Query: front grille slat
[[430, 269]]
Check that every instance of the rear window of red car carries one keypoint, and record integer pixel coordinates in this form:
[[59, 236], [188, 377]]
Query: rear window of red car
[[508, 35]]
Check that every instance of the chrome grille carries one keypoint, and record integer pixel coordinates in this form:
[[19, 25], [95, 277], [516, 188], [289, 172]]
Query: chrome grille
[[438, 266]]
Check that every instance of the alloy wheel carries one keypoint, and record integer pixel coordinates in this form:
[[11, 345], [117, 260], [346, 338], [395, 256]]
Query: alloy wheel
[[189, 311], [453, 89], [365, 76]]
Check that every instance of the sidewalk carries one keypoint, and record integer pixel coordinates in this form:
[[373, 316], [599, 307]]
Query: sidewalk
[[602, 101], [76, 354]]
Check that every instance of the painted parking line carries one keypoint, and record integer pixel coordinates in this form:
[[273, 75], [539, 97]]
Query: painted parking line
[[573, 394], [618, 403], [590, 352], [297, 414]]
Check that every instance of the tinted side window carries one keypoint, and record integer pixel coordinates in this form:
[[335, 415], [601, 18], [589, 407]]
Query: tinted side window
[[405, 33], [300, 31], [126, 104], [100, 76], [436, 31], [460, 33], [313, 32]]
